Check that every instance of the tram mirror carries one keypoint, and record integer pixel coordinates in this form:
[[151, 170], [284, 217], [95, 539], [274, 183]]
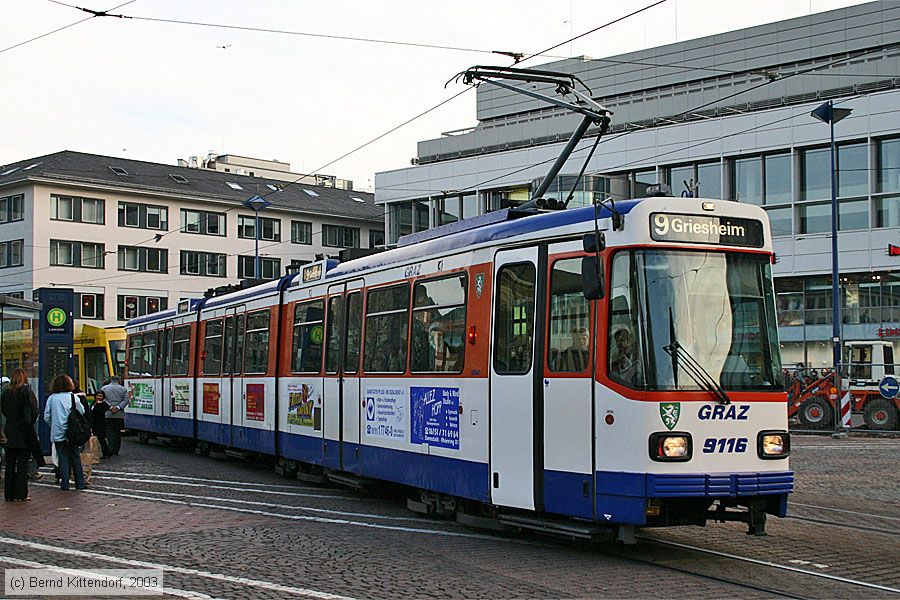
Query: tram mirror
[[591, 278], [593, 242]]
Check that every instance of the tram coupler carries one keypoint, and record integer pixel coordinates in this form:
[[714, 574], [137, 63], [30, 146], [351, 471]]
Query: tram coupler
[[754, 517]]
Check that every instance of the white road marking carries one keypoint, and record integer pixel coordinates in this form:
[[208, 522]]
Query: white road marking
[[269, 505], [90, 574], [755, 561], [849, 512], [440, 532], [234, 489], [230, 481], [267, 585]]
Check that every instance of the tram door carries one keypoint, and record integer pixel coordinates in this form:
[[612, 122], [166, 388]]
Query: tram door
[[230, 404], [164, 368], [567, 386], [156, 362], [332, 386], [516, 469]]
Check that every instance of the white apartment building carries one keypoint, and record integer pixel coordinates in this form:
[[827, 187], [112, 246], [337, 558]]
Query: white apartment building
[[133, 237], [732, 113]]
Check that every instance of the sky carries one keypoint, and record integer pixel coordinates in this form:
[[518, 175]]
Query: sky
[[158, 91]]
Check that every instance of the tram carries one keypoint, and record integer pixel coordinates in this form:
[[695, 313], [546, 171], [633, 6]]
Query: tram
[[99, 354], [613, 365]]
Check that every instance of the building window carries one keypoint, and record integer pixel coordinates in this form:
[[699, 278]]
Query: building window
[[853, 214], [136, 258], [707, 176], [207, 264], [781, 221], [270, 268], [202, 222], [11, 254], [11, 208], [143, 216], [400, 215], [777, 177], [80, 210], [887, 211], [852, 170], [301, 232], [815, 218], [336, 236], [889, 165], [269, 229], [376, 238], [133, 306], [90, 306], [746, 180], [88, 255]]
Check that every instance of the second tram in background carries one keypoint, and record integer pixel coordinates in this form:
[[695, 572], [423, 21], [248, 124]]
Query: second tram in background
[[557, 370]]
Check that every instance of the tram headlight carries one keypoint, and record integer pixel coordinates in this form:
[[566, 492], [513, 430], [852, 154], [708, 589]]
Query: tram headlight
[[773, 444], [671, 446]]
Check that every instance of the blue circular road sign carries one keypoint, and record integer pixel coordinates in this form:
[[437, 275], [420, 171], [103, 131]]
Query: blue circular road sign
[[889, 387]]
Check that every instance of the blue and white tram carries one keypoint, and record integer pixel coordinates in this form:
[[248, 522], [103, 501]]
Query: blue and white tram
[[615, 367]]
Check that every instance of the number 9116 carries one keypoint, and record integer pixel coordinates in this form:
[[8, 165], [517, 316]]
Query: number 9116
[[721, 445]]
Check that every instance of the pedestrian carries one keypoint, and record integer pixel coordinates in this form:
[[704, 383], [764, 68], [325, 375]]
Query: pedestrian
[[98, 421], [19, 406], [59, 405], [115, 416], [90, 452]]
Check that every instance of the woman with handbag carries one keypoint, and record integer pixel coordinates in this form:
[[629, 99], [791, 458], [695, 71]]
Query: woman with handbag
[[60, 405], [19, 408]]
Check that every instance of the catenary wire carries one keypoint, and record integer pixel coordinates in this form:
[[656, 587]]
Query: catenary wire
[[43, 35]]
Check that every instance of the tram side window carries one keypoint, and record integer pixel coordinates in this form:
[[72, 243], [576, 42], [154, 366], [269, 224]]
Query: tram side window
[[354, 332], [164, 354], [568, 334], [307, 342], [624, 349], [228, 347], [387, 314], [439, 325], [514, 324], [148, 355], [238, 357], [135, 356], [257, 345], [335, 333], [181, 350], [212, 348]]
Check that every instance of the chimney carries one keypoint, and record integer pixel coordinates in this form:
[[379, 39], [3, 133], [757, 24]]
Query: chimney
[[194, 164]]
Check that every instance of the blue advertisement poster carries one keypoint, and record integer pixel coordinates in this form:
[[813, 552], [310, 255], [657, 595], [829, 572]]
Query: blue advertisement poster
[[434, 416]]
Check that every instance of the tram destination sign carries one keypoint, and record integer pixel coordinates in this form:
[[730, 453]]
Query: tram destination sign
[[706, 229]]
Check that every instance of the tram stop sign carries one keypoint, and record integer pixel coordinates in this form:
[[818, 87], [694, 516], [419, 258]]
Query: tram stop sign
[[889, 387]]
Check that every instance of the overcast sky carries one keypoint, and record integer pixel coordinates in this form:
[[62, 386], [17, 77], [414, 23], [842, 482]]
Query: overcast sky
[[159, 91]]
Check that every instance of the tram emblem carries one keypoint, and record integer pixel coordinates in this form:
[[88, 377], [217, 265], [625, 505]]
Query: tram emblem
[[479, 284], [669, 413]]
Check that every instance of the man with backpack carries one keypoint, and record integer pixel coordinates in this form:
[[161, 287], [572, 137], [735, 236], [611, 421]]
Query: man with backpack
[[69, 429]]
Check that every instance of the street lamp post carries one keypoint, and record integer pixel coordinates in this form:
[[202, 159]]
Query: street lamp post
[[256, 204], [827, 113]]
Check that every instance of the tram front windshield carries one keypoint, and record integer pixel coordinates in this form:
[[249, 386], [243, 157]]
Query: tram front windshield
[[714, 310]]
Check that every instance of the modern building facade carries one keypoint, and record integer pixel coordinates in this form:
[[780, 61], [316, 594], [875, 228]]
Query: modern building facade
[[729, 117], [133, 237]]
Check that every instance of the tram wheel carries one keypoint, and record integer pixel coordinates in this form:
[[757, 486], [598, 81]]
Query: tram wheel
[[816, 413], [881, 414]]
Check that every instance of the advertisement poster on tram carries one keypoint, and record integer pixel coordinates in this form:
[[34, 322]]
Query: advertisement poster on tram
[[141, 396], [210, 398], [256, 402], [435, 416], [386, 412], [181, 398], [301, 401]]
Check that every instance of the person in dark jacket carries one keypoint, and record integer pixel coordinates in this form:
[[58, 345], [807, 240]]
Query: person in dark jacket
[[19, 407], [98, 421]]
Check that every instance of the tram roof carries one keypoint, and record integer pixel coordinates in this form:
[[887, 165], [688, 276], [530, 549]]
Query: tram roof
[[490, 232]]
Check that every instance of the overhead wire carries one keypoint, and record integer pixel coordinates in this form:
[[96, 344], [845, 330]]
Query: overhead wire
[[57, 30]]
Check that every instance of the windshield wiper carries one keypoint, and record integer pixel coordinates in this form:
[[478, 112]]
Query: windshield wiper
[[692, 366]]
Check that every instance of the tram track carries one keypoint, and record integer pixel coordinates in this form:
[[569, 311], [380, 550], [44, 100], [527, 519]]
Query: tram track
[[285, 500]]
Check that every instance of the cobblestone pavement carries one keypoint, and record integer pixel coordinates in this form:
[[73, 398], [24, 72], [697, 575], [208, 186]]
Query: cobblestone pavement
[[231, 528]]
